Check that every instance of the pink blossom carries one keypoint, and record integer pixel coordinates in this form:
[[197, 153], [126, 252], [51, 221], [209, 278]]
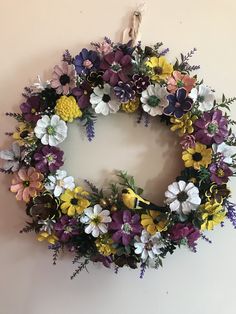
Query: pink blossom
[[178, 80]]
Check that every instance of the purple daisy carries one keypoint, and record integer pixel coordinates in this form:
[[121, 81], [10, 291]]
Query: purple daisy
[[116, 66], [63, 78], [82, 94], [66, 228], [86, 61], [182, 231], [30, 108], [125, 225], [48, 159], [179, 103], [124, 91], [220, 172], [211, 128]]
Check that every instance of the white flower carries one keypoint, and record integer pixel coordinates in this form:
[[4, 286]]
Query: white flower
[[11, 158], [52, 131], [96, 220], [40, 85], [204, 96], [148, 245], [59, 182], [182, 197], [224, 150], [101, 100], [154, 99]]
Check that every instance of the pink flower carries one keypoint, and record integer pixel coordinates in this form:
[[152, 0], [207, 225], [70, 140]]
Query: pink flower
[[26, 183], [178, 80], [188, 141], [63, 78], [104, 48]]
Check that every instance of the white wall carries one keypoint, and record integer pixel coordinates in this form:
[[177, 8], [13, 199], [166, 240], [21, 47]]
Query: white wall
[[33, 35]]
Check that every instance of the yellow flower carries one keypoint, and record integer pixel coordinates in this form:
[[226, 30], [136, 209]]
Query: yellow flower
[[104, 246], [212, 215], [74, 202], [161, 68], [184, 125], [51, 238], [24, 134], [197, 156], [67, 108], [154, 222], [131, 106]]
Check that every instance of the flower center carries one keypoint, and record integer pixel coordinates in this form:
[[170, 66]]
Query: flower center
[[26, 184], [177, 105], [60, 183], [220, 173], [96, 220], [148, 246], [126, 227], [50, 158], [212, 128], [180, 83], [68, 229], [87, 64], [74, 201], [106, 98], [64, 79], [153, 101], [182, 196], [50, 130], [24, 134], [210, 217], [200, 98], [115, 67], [197, 156], [33, 110], [158, 70]]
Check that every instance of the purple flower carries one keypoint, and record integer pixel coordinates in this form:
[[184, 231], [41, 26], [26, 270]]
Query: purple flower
[[179, 103], [116, 66], [30, 108], [188, 141], [124, 91], [125, 225], [66, 228], [82, 94], [86, 61], [220, 172], [140, 82], [48, 159], [211, 128], [182, 231]]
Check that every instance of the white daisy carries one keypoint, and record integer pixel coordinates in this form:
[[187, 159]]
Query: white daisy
[[182, 197], [59, 182], [52, 131], [11, 157], [154, 99], [204, 96], [149, 246], [225, 151], [96, 220], [102, 102]]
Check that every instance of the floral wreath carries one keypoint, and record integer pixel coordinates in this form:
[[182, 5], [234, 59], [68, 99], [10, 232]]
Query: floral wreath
[[117, 226]]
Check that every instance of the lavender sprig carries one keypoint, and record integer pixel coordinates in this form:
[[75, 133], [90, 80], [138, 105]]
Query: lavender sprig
[[142, 270], [205, 238], [67, 57], [185, 58], [231, 212], [164, 52], [90, 130]]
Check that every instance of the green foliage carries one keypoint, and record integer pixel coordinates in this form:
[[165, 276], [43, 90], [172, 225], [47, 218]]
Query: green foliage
[[129, 182]]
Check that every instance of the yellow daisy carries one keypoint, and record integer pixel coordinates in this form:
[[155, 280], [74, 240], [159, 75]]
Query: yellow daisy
[[154, 221], [161, 68], [197, 156], [104, 245], [74, 202], [212, 215], [23, 134], [131, 106], [184, 125], [51, 238]]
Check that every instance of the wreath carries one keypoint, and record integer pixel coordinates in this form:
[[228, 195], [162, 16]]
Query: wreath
[[117, 225]]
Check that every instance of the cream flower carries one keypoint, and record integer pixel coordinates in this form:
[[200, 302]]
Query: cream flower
[[148, 246], [96, 220], [225, 151], [101, 100], [154, 99], [182, 197], [59, 182], [204, 96], [51, 131]]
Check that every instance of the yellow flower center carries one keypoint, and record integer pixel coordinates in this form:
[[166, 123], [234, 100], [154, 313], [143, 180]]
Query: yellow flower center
[[220, 173]]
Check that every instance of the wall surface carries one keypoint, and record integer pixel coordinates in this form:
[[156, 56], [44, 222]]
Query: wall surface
[[33, 36]]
